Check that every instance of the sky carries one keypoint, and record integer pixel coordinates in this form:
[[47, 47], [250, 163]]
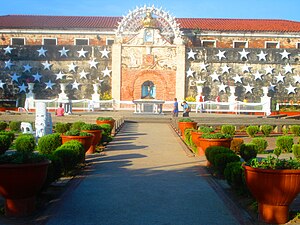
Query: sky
[[242, 9]]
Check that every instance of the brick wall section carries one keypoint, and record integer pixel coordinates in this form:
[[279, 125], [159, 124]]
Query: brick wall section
[[132, 80]]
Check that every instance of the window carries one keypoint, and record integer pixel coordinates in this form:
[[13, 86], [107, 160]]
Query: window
[[298, 45], [49, 41], [110, 41], [81, 41], [271, 44], [18, 41], [208, 43], [240, 44]]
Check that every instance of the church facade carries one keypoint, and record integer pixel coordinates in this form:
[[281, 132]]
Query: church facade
[[149, 54]]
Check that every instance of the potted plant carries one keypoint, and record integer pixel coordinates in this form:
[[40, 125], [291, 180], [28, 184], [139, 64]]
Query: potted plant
[[83, 137], [196, 134], [97, 135], [22, 175], [274, 183], [106, 120], [185, 123]]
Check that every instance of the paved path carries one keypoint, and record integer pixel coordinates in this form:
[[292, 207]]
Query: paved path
[[144, 178]]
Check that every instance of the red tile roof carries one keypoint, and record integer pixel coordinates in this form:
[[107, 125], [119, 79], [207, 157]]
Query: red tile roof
[[105, 22]]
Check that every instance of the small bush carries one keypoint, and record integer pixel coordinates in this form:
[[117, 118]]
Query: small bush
[[228, 129], [215, 136], [187, 134], [185, 120], [68, 157], [296, 151], [235, 144], [205, 129], [10, 134], [15, 126], [91, 126], [295, 129], [284, 143], [25, 143], [221, 160], [266, 130], [106, 133], [3, 125], [54, 169], [261, 144], [211, 151], [78, 148], [248, 151], [49, 143], [5, 142], [252, 130], [62, 127], [235, 177], [77, 125]]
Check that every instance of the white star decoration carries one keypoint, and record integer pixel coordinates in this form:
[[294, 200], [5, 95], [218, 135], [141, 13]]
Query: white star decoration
[[75, 85], [246, 68], [189, 73], [222, 87], [104, 53], [203, 66], [15, 77], [83, 74], [8, 49], [37, 77], [288, 69], [42, 51], [59, 75], [244, 54], [1, 84], [225, 69], [280, 77], [214, 76], [284, 54], [8, 64], [27, 68], [248, 88], [22, 87], [47, 65], [262, 56], [82, 53], [237, 79], [191, 54], [72, 67], [290, 89], [296, 78], [272, 87], [221, 54], [257, 75], [49, 85], [269, 70], [64, 52], [106, 72], [93, 63]]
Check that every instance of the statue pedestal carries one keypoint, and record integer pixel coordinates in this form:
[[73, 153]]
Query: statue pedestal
[[95, 99]]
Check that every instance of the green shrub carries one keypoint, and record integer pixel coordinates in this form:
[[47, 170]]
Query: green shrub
[[5, 142], [266, 130], [78, 148], [62, 127], [77, 125], [106, 133], [228, 129], [248, 151], [295, 129], [77, 133], [104, 118], [68, 157], [54, 169], [211, 151], [3, 125], [49, 143], [284, 143], [235, 144], [296, 151], [15, 126], [235, 177], [205, 129], [222, 159], [10, 134], [261, 144], [252, 130], [25, 143], [187, 134], [215, 136], [185, 120], [91, 126]]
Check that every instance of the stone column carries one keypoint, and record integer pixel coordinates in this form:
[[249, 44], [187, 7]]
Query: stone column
[[180, 72], [116, 73]]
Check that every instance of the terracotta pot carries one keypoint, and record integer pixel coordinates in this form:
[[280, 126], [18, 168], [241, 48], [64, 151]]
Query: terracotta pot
[[274, 191], [196, 135], [85, 140], [185, 125], [110, 122], [95, 141], [19, 185]]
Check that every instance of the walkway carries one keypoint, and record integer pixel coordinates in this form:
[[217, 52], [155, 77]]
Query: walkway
[[144, 178]]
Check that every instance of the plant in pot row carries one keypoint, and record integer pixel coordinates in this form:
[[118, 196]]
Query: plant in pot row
[[106, 120]]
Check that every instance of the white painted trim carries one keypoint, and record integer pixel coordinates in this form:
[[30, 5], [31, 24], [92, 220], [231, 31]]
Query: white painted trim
[[272, 42], [11, 39], [239, 41], [214, 41], [43, 39], [88, 40]]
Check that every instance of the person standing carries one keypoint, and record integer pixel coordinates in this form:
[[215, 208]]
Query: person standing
[[175, 108], [186, 109]]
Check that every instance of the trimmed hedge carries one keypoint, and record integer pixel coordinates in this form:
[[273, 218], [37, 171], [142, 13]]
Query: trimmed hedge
[[261, 144], [248, 151], [15, 126], [284, 143], [49, 143], [211, 151], [5, 142], [221, 160], [266, 130], [252, 130], [3, 125]]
